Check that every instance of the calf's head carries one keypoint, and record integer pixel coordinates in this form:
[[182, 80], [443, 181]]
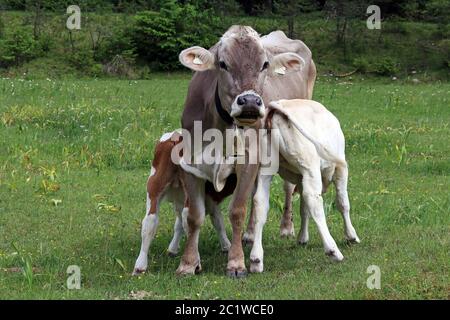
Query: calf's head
[[241, 64]]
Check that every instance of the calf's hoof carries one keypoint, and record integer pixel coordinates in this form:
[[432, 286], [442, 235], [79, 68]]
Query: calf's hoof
[[256, 266], [226, 246], [248, 238], [353, 239], [141, 264], [303, 239], [286, 232], [172, 254], [137, 271], [188, 269], [335, 255]]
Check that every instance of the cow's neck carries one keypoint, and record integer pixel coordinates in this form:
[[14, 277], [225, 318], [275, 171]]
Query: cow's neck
[[223, 114]]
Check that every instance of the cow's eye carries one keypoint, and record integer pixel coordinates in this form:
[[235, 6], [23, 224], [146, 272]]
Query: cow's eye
[[223, 65], [265, 65]]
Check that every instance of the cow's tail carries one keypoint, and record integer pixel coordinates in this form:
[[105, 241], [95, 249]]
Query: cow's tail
[[321, 149]]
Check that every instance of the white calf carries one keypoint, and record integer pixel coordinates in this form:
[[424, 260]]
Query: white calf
[[312, 154]]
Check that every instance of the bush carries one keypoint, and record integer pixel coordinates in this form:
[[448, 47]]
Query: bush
[[382, 66], [120, 43], [386, 66], [160, 36], [83, 60], [17, 47]]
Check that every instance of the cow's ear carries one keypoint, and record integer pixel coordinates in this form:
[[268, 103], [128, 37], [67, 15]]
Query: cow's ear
[[286, 62], [197, 59]]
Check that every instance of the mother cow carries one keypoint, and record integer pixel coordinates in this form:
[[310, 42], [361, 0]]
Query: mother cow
[[235, 78]]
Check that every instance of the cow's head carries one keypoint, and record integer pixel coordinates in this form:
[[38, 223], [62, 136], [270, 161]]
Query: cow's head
[[242, 65]]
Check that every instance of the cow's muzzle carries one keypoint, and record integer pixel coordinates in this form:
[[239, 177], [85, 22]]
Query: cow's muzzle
[[247, 108]]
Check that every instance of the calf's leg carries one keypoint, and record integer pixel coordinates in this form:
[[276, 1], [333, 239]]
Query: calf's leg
[[249, 234], [311, 194], [195, 189], [177, 234], [303, 236], [148, 231], [343, 204], [261, 201], [217, 221], [287, 225]]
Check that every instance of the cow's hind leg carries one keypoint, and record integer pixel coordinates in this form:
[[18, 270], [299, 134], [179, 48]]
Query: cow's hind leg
[[287, 225], [343, 204]]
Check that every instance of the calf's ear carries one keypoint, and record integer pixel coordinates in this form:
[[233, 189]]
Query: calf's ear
[[197, 59], [286, 62]]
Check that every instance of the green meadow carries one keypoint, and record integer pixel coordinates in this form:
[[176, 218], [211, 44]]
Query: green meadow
[[74, 160]]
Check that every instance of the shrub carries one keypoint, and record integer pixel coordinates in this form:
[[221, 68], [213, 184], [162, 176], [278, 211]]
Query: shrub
[[382, 66], [362, 64], [17, 47], [83, 60], [160, 36], [386, 66], [120, 43]]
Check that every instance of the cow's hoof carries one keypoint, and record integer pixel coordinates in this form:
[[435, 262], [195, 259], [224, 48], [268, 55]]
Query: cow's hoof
[[138, 272], [302, 243], [287, 232], [236, 273], [248, 238], [188, 269], [335, 255], [256, 266]]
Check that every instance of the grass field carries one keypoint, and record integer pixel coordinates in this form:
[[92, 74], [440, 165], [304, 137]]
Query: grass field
[[75, 157]]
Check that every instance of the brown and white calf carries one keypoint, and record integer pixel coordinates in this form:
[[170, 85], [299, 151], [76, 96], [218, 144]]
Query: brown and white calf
[[166, 181]]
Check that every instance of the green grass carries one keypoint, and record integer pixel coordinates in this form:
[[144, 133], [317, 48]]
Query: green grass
[[74, 161]]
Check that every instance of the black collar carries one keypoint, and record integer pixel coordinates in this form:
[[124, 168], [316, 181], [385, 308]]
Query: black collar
[[220, 110]]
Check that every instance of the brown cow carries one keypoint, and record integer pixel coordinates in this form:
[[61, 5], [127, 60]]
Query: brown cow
[[234, 79], [166, 181]]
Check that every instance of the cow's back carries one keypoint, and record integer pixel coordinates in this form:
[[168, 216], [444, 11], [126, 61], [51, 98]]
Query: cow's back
[[295, 85]]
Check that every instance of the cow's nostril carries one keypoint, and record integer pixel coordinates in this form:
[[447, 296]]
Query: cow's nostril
[[258, 102], [241, 101]]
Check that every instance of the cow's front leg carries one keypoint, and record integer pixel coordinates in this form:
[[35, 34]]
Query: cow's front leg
[[287, 225], [195, 189], [261, 202], [246, 178]]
